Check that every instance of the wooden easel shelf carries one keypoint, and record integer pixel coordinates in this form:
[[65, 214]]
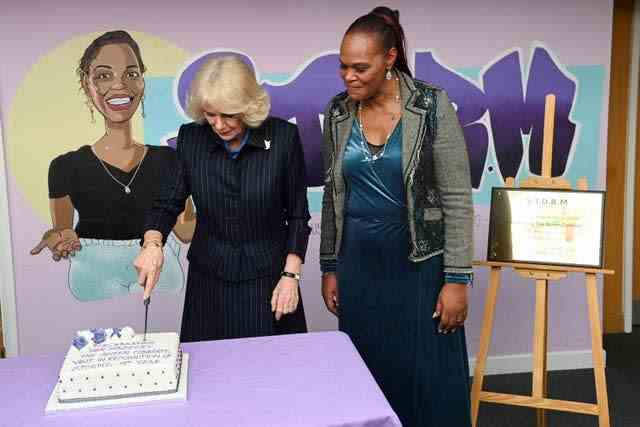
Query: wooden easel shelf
[[542, 267]]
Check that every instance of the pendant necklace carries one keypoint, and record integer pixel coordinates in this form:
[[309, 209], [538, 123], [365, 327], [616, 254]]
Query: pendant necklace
[[126, 187], [363, 138]]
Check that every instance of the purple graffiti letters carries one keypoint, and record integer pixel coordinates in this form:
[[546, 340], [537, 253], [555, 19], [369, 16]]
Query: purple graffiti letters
[[546, 77], [305, 98], [502, 104], [511, 112], [471, 105]]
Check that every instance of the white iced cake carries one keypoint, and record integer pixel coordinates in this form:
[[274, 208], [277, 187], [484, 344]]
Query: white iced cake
[[116, 363]]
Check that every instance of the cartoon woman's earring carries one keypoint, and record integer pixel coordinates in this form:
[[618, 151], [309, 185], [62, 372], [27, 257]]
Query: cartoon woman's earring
[[90, 107]]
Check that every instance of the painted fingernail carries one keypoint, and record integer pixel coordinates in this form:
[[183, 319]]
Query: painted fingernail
[[435, 314]]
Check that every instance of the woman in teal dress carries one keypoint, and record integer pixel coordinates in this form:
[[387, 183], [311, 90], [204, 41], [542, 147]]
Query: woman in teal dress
[[397, 226]]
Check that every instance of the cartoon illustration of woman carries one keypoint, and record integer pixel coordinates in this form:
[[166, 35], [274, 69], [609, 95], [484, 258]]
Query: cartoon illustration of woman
[[110, 183]]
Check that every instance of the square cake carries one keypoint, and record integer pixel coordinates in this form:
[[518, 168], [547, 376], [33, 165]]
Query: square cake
[[116, 363]]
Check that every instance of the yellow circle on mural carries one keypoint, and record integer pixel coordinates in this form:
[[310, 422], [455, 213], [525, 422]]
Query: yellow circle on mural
[[49, 115]]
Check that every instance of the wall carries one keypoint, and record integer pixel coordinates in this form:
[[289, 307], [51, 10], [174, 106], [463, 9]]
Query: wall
[[496, 59]]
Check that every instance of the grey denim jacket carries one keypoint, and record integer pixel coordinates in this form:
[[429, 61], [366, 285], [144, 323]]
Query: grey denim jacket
[[436, 173]]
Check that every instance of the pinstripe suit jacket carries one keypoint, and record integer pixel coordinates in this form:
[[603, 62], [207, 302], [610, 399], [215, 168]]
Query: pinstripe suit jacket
[[251, 212]]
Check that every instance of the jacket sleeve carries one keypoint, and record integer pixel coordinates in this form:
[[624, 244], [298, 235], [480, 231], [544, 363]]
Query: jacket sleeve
[[297, 205], [171, 196], [327, 223], [453, 180]]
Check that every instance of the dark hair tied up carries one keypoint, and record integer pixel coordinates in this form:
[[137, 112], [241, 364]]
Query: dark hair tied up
[[385, 23]]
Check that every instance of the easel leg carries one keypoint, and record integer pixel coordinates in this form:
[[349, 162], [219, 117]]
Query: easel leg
[[542, 419], [485, 338], [540, 347], [596, 348]]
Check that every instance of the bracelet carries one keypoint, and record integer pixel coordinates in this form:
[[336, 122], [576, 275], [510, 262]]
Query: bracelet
[[459, 278], [295, 276], [155, 243]]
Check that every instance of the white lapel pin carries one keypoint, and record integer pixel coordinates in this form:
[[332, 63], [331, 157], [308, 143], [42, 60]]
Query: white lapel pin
[[267, 144]]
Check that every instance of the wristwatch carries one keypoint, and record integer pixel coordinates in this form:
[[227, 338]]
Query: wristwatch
[[291, 275]]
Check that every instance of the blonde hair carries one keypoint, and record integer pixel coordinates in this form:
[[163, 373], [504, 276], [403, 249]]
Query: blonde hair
[[228, 84]]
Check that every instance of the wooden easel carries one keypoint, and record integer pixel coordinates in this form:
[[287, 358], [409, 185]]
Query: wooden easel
[[542, 274]]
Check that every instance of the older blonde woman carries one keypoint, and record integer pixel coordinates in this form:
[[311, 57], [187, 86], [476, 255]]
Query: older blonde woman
[[245, 172]]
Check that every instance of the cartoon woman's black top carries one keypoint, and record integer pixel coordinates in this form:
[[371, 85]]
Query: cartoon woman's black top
[[105, 209]]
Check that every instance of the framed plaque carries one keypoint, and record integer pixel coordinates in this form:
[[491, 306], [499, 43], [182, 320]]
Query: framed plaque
[[545, 226]]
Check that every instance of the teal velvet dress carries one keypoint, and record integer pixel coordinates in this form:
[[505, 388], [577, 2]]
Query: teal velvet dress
[[387, 301]]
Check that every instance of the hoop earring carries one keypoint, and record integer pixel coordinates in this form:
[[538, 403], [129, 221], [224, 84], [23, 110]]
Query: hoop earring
[[388, 75], [90, 107]]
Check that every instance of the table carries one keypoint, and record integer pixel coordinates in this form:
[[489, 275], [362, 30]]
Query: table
[[315, 379]]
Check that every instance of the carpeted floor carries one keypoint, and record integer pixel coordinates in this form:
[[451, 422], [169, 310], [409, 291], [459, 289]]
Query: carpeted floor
[[623, 385]]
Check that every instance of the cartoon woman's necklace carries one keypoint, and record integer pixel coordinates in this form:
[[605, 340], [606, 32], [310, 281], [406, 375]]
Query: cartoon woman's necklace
[[126, 187]]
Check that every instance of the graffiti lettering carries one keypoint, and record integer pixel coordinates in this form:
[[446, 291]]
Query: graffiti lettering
[[506, 105]]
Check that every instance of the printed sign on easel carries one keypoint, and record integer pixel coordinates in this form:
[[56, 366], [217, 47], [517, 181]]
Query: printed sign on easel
[[546, 226]]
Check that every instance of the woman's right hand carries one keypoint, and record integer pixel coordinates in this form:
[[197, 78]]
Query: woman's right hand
[[61, 243], [149, 265], [330, 292]]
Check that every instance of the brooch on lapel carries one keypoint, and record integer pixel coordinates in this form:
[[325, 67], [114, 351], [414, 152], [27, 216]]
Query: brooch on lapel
[[267, 144]]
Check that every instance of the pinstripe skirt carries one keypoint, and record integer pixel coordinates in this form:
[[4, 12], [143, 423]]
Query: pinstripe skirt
[[217, 309]]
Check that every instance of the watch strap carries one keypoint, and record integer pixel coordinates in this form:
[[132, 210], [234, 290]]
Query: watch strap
[[290, 275]]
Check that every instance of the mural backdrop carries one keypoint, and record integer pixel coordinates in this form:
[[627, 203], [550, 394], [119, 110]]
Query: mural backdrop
[[497, 64]]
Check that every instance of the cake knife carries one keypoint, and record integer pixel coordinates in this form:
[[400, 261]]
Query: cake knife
[[146, 303]]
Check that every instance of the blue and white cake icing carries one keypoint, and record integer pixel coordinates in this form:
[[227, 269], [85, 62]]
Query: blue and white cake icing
[[87, 339], [107, 363]]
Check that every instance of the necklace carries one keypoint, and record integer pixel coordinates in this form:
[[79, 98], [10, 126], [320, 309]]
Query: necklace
[[363, 139], [365, 144], [126, 187]]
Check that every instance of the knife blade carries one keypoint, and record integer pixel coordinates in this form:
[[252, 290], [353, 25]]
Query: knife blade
[[146, 303]]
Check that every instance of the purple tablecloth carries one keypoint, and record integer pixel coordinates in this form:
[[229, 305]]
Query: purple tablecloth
[[315, 379]]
